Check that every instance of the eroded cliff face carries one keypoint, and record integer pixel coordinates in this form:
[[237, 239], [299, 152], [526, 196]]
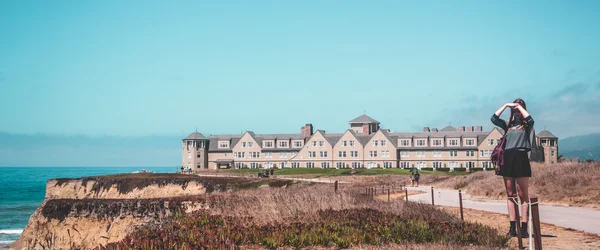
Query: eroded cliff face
[[90, 212]]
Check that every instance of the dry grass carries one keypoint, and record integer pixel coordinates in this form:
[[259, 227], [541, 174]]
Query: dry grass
[[568, 183]]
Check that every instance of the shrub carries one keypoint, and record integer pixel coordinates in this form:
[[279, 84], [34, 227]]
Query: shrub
[[443, 169], [427, 169], [460, 169], [473, 170]]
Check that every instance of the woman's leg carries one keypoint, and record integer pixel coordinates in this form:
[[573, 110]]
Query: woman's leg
[[511, 195], [523, 191]]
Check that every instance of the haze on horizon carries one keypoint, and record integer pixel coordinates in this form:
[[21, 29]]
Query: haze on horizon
[[140, 68]]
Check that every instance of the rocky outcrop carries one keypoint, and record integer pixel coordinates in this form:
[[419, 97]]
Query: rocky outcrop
[[90, 212]]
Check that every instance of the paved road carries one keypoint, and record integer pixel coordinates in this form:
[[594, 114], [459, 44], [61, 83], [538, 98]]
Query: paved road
[[582, 219]]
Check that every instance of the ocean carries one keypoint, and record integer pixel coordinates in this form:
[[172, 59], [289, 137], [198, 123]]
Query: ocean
[[22, 190]]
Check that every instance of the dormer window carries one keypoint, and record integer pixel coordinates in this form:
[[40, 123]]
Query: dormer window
[[223, 144], [453, 142], [268, 144], [437, 142], [470, 142], [421, 143], [405, 143], [283, 144], [297, 144]]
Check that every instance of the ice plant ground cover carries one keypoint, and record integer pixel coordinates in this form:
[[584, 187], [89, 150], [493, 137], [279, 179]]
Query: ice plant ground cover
[[344, 228]]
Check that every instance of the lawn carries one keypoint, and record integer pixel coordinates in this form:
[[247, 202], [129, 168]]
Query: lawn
[[338, 172]]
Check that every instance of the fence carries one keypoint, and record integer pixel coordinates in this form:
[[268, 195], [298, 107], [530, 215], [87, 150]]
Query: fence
[[535, 238]]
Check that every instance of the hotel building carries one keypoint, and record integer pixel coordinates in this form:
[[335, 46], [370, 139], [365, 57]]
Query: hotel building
[[363, 145]]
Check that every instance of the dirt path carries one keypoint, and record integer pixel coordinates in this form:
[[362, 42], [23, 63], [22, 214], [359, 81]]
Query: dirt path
[[553, 237]]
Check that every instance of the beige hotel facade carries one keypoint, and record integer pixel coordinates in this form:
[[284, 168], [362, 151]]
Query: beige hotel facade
[[363, 145]]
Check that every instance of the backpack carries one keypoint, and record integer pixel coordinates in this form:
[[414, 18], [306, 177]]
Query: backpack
[[497, 157]]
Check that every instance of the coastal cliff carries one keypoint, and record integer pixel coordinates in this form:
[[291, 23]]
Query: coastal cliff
[[89, 212]]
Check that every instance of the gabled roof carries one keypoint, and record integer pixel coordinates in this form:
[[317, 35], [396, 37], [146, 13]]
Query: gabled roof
[[392, 139], [333, 138], [546, 134], [196, 136], [363, 119], [448, 128]]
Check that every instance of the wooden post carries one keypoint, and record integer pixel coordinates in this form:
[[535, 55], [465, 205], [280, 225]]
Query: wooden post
[[406, 191], [388, 194], [335, 186], [432, 201], [535, 214], [461, 207]]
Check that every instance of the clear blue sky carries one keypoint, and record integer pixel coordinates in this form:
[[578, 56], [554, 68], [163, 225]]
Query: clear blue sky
[[139, 68]]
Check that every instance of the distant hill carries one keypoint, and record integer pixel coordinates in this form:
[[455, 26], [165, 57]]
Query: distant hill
[[582, 146], [80, 150]]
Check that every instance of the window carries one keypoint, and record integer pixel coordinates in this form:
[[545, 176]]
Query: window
[[342, 154], [268, 144], [497, 141], [339, 165], [268, 155], [355, 164], [293, 154], [282, 154], [453, 142], [385, 154], [250, 144], [198, 155], [344, 143], [421, 164], [420, 153], [223, 144], [437, 153], [375, 143], [312, 154], [297, 144], [551, 143], [283, 144], [486, 164], [244, 144], [453, 164], [354, 154], [484, 153], [295, 164], [470, 164], [325, 165], [254, 165], [383, 142], [268, 165], [371, 164], [323, 154], [372, 154], [314, 143], [351, 143], [470, 142], [405, 164], [404, 154], [387, 165], [552, 153], [420, 143], [453, 153], [470, 153], [310, 165], [321, 143], [283, 164], [437, 164], [437, 142], [491, 142], [405, 143]]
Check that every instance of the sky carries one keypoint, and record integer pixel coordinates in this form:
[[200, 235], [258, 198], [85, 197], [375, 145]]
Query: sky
[[135, 68]]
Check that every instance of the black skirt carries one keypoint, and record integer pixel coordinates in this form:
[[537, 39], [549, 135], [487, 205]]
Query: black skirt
[[516, 164]]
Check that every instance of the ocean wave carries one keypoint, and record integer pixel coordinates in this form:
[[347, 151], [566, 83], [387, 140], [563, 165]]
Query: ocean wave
[[6, 243], [11, 231]]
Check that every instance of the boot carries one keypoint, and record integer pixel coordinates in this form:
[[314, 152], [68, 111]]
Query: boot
[[512, 232], [524, 233]]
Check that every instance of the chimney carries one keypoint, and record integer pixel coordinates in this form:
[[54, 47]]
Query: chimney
[[470, 129], [307, 130], [365, 129], [434, 130], [426, 129], [461, 129], [479, 128]]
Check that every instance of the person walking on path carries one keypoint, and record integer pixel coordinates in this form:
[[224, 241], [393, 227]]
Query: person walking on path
[[519, 136]]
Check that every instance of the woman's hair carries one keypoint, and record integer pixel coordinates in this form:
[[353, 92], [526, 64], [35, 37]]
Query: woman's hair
[[512, 119]]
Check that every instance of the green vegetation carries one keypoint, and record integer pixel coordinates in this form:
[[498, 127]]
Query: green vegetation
[[344, 228], [345, 171], [126, 183]]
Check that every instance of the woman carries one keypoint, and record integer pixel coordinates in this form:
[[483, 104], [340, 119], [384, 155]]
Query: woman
[[516, 169]]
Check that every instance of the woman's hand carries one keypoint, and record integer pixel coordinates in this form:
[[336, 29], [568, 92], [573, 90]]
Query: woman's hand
[[511, 105]]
